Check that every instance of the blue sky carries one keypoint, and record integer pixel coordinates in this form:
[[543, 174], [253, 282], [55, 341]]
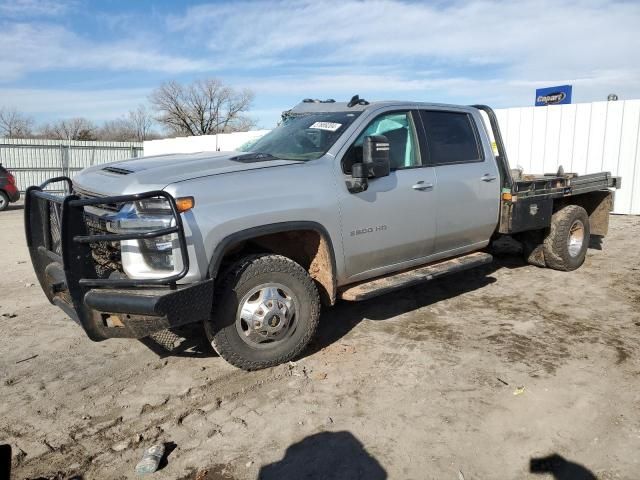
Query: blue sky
[[99, 59]]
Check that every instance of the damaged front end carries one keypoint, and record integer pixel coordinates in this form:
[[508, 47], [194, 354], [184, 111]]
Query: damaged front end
[[78, 242]]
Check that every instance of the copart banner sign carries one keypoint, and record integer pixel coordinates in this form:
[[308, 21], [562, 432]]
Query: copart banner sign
[[553, 95]]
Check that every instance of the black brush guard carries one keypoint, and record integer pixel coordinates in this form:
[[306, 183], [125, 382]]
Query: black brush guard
[[59, 243]]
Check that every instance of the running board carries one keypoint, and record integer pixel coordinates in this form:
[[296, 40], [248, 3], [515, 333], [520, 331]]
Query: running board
[[381, 285]]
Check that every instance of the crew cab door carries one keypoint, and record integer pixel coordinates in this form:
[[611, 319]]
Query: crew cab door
[[393, 221], [468, 193]]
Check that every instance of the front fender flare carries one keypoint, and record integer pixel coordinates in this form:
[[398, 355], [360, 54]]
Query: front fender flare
[[281, 227]]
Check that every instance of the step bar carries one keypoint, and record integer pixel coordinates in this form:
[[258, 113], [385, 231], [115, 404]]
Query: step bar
[[388, 283]]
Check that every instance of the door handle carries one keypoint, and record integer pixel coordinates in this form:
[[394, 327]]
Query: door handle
[[421, 185], [488, 178]]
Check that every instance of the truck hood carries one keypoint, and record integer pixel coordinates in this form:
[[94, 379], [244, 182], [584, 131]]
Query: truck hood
[[155, 173]]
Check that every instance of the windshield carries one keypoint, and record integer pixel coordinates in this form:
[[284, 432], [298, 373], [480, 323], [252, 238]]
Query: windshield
[[305, 137]]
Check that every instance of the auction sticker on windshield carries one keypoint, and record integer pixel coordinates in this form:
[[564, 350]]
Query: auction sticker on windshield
[[330, 126]]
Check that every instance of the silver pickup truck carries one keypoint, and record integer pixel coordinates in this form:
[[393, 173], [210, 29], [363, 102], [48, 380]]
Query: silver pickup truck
[[341, 201]]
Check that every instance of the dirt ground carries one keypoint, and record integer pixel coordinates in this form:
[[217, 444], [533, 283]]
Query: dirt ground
[[507, 372]]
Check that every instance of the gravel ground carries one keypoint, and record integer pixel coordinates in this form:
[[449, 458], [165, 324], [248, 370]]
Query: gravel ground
[[504, 372]]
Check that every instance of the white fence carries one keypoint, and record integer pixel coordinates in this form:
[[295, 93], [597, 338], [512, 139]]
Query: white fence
[[203, 143], [32, 161], [583, 138]]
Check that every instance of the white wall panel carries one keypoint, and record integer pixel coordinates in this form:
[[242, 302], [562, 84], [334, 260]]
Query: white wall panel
[[583, 138], [567, 135], [522, 155], [628, 149], [202, 143], [552, 139]]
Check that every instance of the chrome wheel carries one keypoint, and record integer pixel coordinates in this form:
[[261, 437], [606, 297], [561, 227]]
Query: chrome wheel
[[3, 202], [576, 238], [266, 315]]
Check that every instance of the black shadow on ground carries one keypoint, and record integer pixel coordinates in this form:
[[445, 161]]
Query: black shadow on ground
[[168, 448], [340, 319], [595, 242], [14, 206], [335, 455], [344, 316], [560, 468], [5, 461]]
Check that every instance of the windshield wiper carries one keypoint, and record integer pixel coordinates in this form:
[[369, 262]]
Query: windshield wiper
[[251, 157]]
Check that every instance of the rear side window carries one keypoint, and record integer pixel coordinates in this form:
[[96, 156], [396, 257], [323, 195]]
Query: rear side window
[[451, 137]]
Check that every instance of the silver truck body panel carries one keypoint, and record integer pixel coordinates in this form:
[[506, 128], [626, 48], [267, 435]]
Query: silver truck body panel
[[399, 226], [467, 199]]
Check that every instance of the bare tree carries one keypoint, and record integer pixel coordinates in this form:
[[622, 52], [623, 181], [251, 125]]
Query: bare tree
[[135, 127], [13, 124], [71, 129], [140, 121], [203, 107], [118, 130]]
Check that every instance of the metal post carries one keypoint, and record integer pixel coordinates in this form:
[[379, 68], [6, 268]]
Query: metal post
[[65, 160], [217, 131]]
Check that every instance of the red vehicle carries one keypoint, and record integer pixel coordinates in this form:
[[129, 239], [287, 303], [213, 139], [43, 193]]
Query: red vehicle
[[8, 189]]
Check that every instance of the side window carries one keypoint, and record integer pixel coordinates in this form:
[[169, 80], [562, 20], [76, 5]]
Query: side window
[[451, 137], [400, 130]]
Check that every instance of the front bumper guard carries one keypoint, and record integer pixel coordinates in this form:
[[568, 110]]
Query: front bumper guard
[[59, 243]]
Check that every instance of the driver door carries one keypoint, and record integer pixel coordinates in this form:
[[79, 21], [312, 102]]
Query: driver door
[[392, 223]]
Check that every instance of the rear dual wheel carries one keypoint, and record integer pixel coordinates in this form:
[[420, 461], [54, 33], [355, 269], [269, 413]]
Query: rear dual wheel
[[565, 246]]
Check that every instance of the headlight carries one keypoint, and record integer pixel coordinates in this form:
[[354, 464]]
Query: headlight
[[145, 216], [161, 205], [153, 205], [149, 257], [158, 252]]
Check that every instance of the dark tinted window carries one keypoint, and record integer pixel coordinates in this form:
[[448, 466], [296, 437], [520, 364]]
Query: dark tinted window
[[451, 137]]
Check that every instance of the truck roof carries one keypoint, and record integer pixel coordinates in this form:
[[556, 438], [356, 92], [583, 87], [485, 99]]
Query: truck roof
[[313, 106]]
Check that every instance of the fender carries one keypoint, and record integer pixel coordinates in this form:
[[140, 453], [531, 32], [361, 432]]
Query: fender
[[281, 227]]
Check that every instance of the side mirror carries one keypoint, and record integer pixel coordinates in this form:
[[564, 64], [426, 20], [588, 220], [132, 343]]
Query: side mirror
[[375, 163], [375, 155]]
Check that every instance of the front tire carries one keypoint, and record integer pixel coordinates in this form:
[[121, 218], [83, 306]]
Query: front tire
[[565, 246], [266, 310]]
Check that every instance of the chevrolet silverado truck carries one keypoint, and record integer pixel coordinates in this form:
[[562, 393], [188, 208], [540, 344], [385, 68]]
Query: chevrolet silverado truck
[[343, 200]]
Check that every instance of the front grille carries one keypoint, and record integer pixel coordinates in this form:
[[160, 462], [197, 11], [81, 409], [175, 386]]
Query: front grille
[[111, 207], [55, 227], [107, 256], [92, 257], [49, 215]]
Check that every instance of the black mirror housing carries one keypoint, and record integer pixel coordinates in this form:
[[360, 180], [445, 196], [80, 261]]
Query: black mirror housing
[[358, 182], [375, 156]]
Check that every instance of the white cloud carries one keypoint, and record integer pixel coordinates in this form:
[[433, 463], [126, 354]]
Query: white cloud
[[36, 47], [477, 44], [493, 51], [34, 8]]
